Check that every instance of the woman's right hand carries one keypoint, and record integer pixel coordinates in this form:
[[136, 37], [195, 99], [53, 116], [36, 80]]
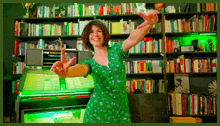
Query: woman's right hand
[[61, 67]]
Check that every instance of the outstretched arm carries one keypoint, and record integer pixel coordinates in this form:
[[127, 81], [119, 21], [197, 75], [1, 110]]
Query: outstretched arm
[[150, 18]]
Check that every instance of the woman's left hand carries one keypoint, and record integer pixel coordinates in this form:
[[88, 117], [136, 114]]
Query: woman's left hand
[[150, 18]]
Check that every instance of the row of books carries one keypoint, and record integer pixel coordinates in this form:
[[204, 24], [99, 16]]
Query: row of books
[[187, 65], [18, 67], [69, 28], [15, 86], [200, 7], [145, 86], [143, 66], [197, 23], [126, 27], [78, 9], [20, 47], [147, 45], [192, 104]]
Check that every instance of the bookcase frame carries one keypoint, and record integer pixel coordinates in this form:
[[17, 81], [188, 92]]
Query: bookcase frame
[[163, 35]]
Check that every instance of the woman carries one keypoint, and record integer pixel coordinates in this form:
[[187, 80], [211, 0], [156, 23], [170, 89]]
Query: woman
[[108, 103]]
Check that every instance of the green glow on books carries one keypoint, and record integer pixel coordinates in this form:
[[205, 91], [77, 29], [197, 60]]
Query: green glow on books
[[202, 39]]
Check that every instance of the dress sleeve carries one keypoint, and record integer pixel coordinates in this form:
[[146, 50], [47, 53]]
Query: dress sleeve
[[117, 48], [86, 62]]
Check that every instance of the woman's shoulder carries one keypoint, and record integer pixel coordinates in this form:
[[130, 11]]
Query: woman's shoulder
[[87, 60], [116, 46]]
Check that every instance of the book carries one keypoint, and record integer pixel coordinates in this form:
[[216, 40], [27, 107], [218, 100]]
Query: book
[[181, 82]]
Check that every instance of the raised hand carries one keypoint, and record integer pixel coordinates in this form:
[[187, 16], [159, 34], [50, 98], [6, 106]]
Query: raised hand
[[61, 67], [150, 18]]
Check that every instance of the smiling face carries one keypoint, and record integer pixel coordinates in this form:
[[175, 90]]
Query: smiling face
[[94, 34], [96, 37]]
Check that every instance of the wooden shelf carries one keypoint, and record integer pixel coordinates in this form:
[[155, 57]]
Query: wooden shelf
[[184, 13], [77, 36], [16, 76], [187, 15], [192, 54], [194, 115]]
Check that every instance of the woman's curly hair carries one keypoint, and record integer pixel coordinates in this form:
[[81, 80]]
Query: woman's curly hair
[[86, 32]]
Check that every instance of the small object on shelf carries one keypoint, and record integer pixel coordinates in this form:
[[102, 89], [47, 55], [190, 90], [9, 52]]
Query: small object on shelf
[[201, 48], [213, 88], [195, 44], [176, 50], [79, 45], [209, 45], [187, 48], [170, 9], [159, 6], [27, 5], [181, 82], [141, 7]]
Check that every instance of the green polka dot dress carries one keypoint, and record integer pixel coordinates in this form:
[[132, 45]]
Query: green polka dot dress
[[109, 102]]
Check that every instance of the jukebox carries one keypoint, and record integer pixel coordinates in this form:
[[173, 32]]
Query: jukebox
[[45, 98]]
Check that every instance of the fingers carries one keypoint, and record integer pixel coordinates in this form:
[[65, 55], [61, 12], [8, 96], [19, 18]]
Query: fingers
[[55, 65], [58, 72], [69, 63], [141, 15], [62, 58]]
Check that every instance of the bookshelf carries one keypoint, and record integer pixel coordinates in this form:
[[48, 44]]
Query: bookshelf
[[163, 55]]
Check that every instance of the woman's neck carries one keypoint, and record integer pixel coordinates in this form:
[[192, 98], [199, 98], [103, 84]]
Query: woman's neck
[[100, 51]]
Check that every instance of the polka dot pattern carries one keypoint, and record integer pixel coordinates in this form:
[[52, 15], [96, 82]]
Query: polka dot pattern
[[109, 102]]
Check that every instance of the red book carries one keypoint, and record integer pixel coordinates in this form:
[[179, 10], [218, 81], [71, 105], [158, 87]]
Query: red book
[[145, 46], [206, 21], [214, 65], [183, 104], [203, 66], [142, 82], [167, 40], [184, 59], [192, 65], [16, 87], [132, 87], [142, 65], [209, 112], [206, 6], [101, 9], [192, 104], [121, 8], [213, 22], [16, 44], [170, 46], [16, 28], [214, 6]]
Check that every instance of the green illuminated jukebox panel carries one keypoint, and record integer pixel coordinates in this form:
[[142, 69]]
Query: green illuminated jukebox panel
[[74, 115], [43, 90]]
